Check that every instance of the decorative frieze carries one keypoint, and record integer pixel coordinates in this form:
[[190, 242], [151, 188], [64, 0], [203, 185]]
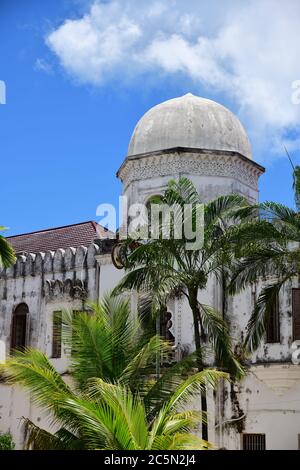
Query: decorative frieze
[[203, 163]]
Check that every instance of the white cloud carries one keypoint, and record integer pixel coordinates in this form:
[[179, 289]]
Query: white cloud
[[94, 45], [248, 51]]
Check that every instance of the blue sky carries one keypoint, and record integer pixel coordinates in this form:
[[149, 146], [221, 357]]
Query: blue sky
[[79, 74]]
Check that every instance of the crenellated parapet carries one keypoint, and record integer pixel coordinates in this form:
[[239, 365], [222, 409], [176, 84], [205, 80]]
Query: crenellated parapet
[[59, 261]]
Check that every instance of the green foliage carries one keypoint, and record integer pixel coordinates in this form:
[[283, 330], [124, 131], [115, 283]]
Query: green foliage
[[115, 401], [296, 186], [164, 267], [6, 442], [266, 248], [111, 417], [108, 342], [7, 254]]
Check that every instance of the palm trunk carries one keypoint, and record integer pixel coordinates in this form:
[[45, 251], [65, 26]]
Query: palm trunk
[[198, 332], [222, 382]]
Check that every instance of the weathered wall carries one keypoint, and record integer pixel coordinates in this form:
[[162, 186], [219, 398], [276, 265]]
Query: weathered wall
[[46, 282]]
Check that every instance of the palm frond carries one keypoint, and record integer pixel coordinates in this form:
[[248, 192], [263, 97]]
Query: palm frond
[[118, 418], [277, 211], [259, 263], [37, 438], [159, 392], [146, 357], [223, 206], [104, 340], [181, 192], [218, 335], [191, 388], [256, 326], [7, 254], [33, 370], [296, 186], [180, 441]]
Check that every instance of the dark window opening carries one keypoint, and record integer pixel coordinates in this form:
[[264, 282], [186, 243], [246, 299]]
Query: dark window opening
[[296, 313], [19, 328], [254, 442], [56, 335], [273, 324], [165, 325]]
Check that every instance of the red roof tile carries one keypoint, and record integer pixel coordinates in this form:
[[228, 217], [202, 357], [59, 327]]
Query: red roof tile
[[74, 235]]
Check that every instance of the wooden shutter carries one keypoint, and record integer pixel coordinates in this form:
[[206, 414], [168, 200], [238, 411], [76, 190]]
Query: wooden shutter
[[18, 340], [73, 346], [296, 313], [254, 442], [56, 335], [20, 326], [273, 324]]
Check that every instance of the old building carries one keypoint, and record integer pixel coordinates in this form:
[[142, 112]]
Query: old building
[[62, 267]]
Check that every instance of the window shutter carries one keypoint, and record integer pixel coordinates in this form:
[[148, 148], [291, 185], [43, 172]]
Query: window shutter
[[73, 346], [18, 337], [56, 335], [20, 326], [296, 313], [273, 324]]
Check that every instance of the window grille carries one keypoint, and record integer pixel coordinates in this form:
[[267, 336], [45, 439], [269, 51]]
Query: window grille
[[254, 441]]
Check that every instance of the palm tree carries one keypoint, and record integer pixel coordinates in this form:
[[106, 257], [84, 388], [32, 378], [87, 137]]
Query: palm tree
[[106, 416], [267, 249], [107, 341], [112, 374], [7, 254], [164, 266]]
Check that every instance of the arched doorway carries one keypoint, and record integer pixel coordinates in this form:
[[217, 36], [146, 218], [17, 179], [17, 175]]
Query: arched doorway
[[19, 327]]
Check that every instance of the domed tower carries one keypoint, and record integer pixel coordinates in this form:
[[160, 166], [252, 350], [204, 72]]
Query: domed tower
[[193, 137]]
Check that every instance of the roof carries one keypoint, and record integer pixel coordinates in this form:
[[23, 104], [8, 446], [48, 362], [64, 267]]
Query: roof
[[191, 122], [51, 239]]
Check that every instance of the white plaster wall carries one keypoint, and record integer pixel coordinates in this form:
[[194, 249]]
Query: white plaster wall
[[109, 275], [271, 405], [209, 187], [26, 282]]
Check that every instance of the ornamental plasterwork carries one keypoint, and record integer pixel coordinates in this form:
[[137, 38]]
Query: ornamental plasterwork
[[73, 289], [203, 164]]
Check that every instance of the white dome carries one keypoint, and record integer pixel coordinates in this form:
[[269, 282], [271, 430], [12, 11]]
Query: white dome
[[191, 122]]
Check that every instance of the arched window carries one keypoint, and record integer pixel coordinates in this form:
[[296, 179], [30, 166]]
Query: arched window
[[165, 326], [19, 327]]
